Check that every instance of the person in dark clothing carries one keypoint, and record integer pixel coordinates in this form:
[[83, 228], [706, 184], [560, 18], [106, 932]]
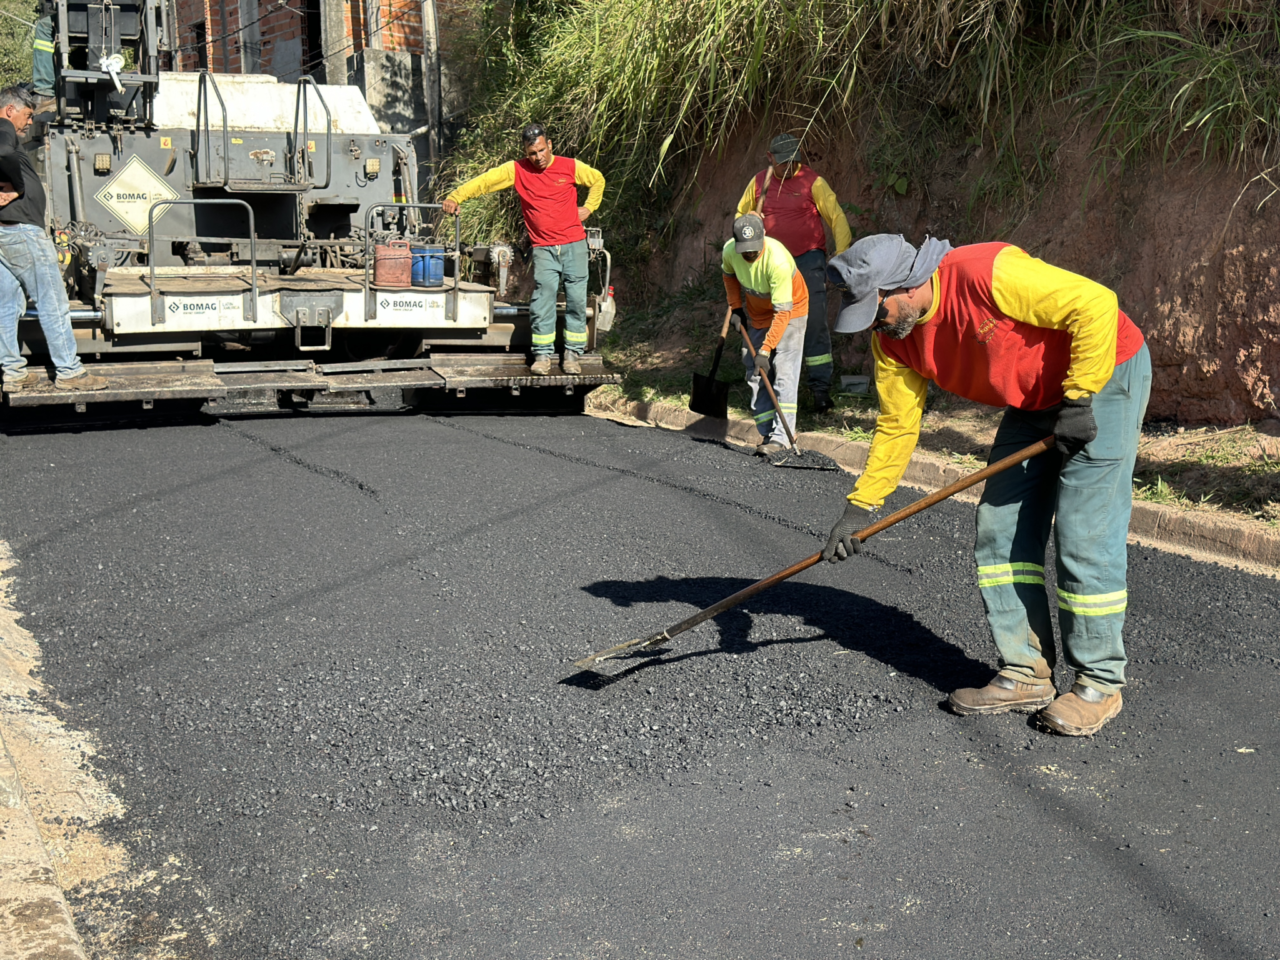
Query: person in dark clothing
[[28, 261]]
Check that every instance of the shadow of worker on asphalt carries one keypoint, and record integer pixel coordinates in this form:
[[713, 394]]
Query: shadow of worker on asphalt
[[857, 623]]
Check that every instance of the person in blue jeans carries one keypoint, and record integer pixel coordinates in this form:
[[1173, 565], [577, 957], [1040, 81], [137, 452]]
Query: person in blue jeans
[[29, 261]]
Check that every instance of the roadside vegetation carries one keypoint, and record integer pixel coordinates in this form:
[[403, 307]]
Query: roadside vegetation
[[16, 34], [647, 88]]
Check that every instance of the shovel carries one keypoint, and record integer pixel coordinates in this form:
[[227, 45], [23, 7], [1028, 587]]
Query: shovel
[[924, 503], [710, 397]]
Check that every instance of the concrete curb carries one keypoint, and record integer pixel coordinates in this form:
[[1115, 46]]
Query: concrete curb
[[35, 922], [1204, 535]]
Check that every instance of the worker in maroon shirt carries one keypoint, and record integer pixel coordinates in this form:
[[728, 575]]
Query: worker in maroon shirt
[[548, 189], [794, 201]]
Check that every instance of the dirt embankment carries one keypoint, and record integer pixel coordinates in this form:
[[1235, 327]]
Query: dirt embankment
[[1194, 262]]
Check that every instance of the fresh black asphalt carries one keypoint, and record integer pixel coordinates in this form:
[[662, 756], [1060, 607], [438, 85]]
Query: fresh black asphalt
[[329, 664]]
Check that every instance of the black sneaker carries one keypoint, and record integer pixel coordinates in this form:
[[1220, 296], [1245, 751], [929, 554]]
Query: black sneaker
[[822, 401]]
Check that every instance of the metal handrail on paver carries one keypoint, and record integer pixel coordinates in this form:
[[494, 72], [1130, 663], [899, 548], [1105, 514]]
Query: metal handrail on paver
[[299, 157], [157, 312], [202, 108]]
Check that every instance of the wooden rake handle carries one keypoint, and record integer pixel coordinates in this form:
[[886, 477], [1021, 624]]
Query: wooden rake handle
[[924, 503]]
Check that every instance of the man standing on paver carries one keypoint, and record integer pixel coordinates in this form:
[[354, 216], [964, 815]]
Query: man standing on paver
[[764, 286], [548, 189], [794, 201], [28, 261], [995, 325]]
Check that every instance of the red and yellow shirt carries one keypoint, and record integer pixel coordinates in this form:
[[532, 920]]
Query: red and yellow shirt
[[771, 287], [794, 209], [1005, 329], [548, 198]]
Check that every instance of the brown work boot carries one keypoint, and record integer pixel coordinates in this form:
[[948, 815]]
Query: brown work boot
[[769, 449], [83, 381], [1080, 713], [570, 364], [15, 384], [541, 366], [1000, 696]]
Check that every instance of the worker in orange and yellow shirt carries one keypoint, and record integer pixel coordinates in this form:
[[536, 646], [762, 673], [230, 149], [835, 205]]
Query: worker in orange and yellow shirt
[[547, 186], [795, 203], [993, 324], [770, 304]]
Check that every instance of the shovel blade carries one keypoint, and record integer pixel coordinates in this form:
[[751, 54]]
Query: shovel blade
[[709, 397]]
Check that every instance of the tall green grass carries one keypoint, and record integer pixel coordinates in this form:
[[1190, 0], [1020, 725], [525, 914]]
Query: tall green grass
[[645, 89]]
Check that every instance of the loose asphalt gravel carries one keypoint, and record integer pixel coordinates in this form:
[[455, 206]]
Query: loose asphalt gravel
[[329, 664]]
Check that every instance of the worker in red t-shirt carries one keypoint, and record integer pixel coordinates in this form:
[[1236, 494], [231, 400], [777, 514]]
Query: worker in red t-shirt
[[794, 203], [548, 189], [993, 324]]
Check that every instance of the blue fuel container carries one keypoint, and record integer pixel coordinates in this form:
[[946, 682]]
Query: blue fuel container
[[428, 266]]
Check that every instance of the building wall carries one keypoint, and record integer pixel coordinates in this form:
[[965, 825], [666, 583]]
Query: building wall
[[276, 41], [278, 34]]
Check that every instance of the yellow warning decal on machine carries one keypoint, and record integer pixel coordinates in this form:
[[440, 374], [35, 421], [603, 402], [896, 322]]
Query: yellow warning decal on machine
[[130, 194]]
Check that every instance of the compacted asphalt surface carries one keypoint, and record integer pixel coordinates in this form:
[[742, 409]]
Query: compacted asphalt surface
[[328, 661]]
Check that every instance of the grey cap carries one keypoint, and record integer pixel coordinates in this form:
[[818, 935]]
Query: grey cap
[[784, 148], [882, 261], [748, 233]]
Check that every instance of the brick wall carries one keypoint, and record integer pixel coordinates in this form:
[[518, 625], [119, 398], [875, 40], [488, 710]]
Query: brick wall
[[282, 37], [280, 30]]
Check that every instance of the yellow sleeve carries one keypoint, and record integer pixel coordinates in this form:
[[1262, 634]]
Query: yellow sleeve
[[748, 201], [491, 181], [1034, 292], [824, 198], [593, 180], [902, 393]]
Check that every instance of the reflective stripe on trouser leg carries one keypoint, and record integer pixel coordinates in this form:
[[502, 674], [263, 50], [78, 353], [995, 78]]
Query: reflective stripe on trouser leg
[[542, 305], [1095, 498], [1014, 519], [42, 69], [573, 261], [818, 361], [786, 379]]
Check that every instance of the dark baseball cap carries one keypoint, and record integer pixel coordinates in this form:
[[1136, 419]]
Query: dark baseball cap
[[784, 148], [748, 233]]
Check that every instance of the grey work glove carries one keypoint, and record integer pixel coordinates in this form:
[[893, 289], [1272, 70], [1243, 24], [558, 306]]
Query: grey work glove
[[1075, 425], [842, 543], [737, 319], [762, 362]]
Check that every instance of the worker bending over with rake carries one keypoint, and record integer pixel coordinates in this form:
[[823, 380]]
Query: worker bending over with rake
[[991, 323], [547, 186], [794, 202], [765, 288]]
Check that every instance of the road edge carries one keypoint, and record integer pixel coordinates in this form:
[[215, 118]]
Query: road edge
[[1198, 534], [35, 921]]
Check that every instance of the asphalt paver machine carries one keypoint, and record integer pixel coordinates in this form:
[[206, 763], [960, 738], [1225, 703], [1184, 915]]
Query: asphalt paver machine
[[219, 236]]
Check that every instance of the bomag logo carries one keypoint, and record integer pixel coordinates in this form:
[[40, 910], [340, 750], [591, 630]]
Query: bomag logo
[[405, 304], [125, 197]]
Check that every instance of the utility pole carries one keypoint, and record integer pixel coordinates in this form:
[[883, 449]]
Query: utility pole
[[333, 40]]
